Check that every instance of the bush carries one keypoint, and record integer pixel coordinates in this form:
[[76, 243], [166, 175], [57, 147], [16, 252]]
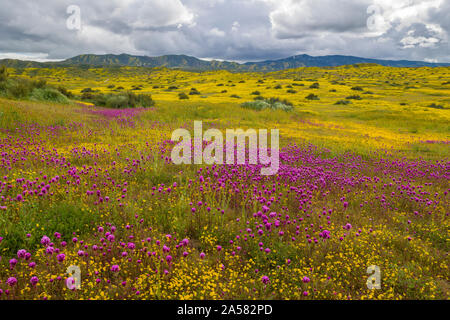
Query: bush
[[65, 92], [272, 103], [116, 101], [194, 91], [19, 88], [183, 96], [256, 105], [357, 88], [278, 100], [278, 86], [3, 73], [354, 97], [119, 101], [343, 102], [435, 106], [312, 96], [291, 91], [48, 94], [315, 85], [256, 93]]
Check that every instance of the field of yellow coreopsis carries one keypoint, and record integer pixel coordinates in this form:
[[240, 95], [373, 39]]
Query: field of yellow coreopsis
[[363, 181]]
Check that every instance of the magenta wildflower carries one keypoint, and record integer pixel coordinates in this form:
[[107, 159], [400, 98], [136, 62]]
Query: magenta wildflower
[[11, 281], [34, 280], [115, 268]]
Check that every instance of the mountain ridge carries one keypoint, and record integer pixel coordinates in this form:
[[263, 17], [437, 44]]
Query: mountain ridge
[[192, 63]]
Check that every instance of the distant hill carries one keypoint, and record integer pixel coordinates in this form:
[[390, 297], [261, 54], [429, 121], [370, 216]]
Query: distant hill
[[192, 63]]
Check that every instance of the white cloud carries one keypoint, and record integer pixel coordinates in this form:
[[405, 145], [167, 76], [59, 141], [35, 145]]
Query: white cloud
[[152, 14], [217, 33], [28, 56], [235, 27]]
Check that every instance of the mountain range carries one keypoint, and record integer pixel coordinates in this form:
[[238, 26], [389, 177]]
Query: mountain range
[[191, 63]]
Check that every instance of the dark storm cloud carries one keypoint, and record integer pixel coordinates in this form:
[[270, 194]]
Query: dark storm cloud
[[229, 29]]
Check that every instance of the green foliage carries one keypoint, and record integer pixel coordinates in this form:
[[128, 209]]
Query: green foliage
[[48, 94], [271, 103], [435, 106], [3, 73], [183, 96], [65, 92], [343, 102], [120, 100], [194, 91], [312, 96]]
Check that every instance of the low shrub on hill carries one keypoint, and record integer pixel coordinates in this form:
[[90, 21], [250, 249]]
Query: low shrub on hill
[[312, 96], [183, 96], [38, 90], [353, 97], [120, 100], [271, 103]]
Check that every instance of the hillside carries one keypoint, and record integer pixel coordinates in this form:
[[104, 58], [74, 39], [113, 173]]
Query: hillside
[[192, 63]]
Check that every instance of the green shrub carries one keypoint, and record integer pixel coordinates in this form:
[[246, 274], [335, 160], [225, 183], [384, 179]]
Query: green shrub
[[435, 106], [3, 73], [343, 102], [256, 105], [183, 96], [312, 96], [19, 88], [315, 85], [272, 103], [353, 97], [65, 92], [119, 101], [194, 91], [48, 94]]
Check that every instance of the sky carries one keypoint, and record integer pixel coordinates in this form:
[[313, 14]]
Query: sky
[[236, 30]]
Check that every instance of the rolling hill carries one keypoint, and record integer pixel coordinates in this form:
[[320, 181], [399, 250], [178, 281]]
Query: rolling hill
[[192, 63]]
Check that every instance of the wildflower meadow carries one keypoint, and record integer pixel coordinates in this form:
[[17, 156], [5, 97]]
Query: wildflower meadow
[[93, 207]]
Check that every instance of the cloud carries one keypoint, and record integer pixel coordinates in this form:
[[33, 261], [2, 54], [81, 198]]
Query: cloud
[[240, 30], [301, 18]]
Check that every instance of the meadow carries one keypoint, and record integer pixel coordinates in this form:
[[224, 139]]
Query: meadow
[[363, 180]]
